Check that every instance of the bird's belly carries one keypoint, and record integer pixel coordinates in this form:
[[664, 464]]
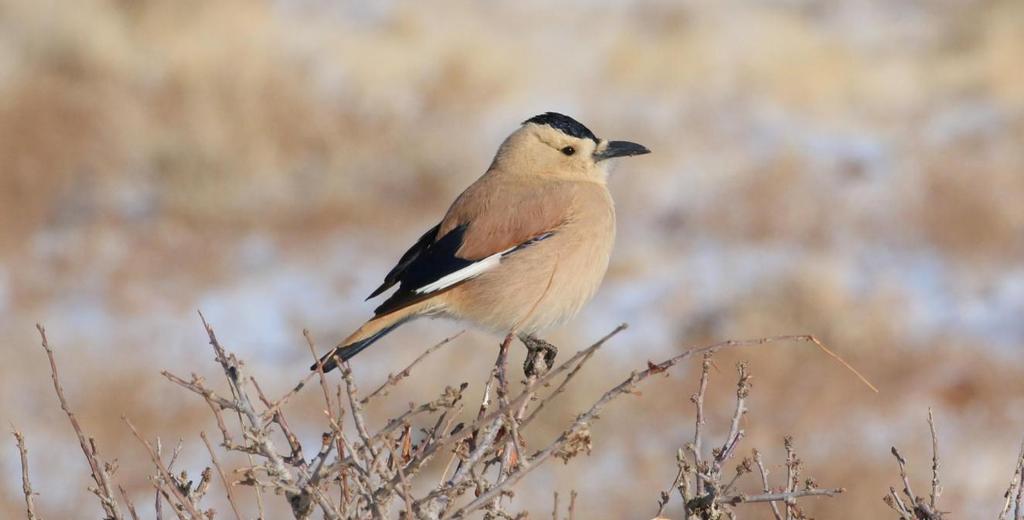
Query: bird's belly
[[538, 287]]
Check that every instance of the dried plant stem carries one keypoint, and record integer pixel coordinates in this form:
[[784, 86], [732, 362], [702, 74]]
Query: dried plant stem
[[572, 504], [128, 503], [936, 489], [713, 498], [372, 469], [165, 473], [394, 379], [100, 474], [785, 497], [915, 507], [764, 481], [698, 401], [223, 478], [1014, 495], [583, 420], [26, 484]]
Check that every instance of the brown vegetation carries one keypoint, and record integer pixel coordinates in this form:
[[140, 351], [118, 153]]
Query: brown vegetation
[[360, 471], [369, 471]]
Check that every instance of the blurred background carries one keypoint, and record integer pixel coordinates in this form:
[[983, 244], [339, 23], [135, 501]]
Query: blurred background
[[849, 169]]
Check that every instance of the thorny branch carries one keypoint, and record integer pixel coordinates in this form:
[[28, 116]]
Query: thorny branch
[[915, 507], [374, 467], [701, 482], [360, 470], [394, 379], [100, 470], [183, 500], [26, 484]]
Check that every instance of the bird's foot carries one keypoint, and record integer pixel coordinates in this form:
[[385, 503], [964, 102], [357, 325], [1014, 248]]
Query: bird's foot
[[540, 356]]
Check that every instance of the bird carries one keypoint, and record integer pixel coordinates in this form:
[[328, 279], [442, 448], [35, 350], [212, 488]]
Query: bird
[[521, 250]]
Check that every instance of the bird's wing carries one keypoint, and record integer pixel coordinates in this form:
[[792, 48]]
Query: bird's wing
[[410, 256], [488, 222], [504, 213]]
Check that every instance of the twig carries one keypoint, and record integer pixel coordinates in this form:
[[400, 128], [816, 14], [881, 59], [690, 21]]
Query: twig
[[26, 484], [223, 478], [158, 498], [357, 411], [936, 490], [128, 503], [1018, 504], [405, 491], [903, 473], [585, 418], [394, 379], [487, 436], [896, 503], [1014, 493], [916, 507], [681, 475], [510, 451], [565, 382], [278, 418], [572, 504], [787, 496], [764, 480], [835, 356], [735, 433], [372, 470], [698, 401], [98, 469], [792, 472], [164, 472], [332, 418]]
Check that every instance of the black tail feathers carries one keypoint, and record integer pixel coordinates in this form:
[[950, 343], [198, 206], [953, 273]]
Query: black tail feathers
[[346, 352]]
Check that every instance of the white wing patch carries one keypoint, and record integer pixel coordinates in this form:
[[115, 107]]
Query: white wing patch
[[470, 271], [477, 268]]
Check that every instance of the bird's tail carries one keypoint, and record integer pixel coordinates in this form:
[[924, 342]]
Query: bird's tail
[[370, 332]]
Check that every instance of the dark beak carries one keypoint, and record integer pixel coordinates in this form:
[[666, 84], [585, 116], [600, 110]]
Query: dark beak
[[620, 149]]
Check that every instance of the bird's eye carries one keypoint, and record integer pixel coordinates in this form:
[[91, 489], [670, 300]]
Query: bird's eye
[[568, 150]]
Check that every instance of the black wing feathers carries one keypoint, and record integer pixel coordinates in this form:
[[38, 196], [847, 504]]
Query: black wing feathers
[[410, 256], [425, 263]]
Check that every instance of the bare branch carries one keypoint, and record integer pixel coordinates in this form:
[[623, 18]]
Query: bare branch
[[735, 433], [1015, 492], [223, 478], [104, 491], [374, 469], [169, 479], [394, 379], [580, 425], [128, 503], [917, 508], [26, 484], [764, 481], [787, 496], [572, 504], [698, 401], [936, 489]]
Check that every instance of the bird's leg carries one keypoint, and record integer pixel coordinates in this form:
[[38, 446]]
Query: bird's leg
[[536, 347]]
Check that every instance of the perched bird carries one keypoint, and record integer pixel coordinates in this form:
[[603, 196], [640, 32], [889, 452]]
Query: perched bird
[[521, 250]]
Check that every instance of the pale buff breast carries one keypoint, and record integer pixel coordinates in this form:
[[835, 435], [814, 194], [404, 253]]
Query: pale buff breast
[[548, 282]]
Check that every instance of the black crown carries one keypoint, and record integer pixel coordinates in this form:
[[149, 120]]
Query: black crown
[[564, 124]]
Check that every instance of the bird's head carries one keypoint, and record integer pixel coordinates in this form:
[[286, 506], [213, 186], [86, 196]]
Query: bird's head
[[556, 145]]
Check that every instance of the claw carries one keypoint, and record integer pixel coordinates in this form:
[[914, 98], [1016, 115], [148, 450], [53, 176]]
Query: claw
[[540, 355]]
